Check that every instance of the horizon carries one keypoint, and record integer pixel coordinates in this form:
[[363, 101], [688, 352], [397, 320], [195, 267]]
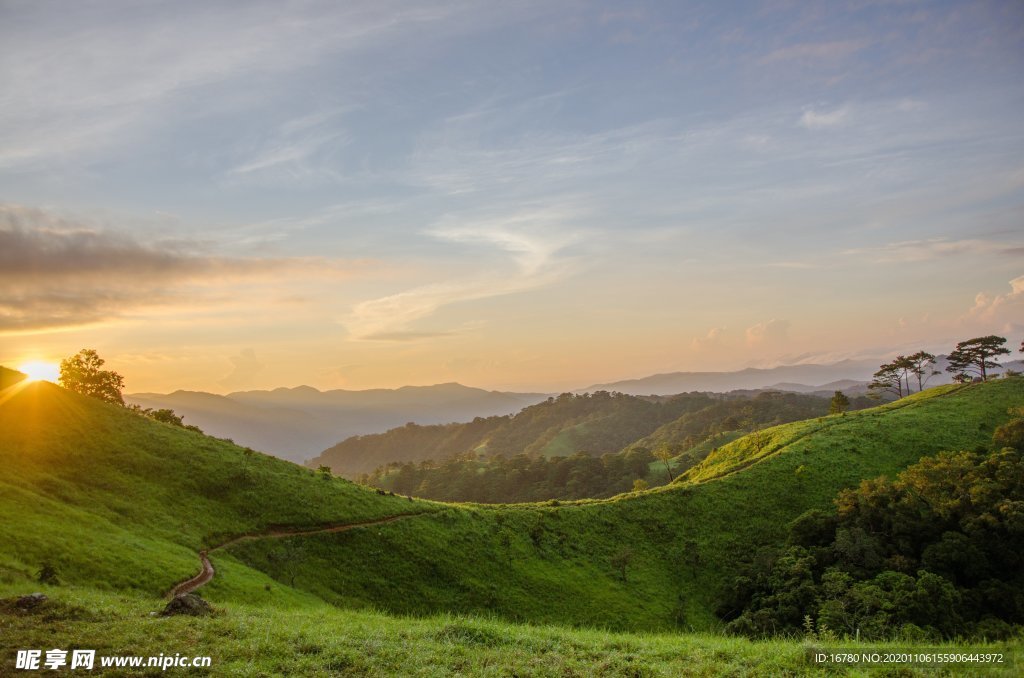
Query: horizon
[[526, 197], [51, 375]]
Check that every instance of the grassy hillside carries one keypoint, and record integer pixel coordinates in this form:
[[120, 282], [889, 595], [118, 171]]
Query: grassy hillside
[[681, 544], [594, 423], [117, 500]]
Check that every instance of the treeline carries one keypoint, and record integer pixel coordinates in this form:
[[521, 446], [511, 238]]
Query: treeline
[[481, 476], [970, 360], [520, 478], [936, 553]]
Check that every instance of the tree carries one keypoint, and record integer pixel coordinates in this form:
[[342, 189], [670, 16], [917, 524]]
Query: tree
[[920, 364], [639, 485], [976, 355], [81, 373], [665, 454], [888, 378], [839, 403]]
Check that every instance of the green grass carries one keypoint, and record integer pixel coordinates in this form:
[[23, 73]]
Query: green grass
[[115, 500], [120, 503], [547, 563], [314, 639], [693, 456]]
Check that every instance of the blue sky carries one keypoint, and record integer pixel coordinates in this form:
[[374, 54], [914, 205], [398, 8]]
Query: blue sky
[[513, 195]]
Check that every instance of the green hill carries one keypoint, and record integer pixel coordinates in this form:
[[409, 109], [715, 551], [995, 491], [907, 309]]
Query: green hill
[[116, 501], [682, 542], [593, 423]]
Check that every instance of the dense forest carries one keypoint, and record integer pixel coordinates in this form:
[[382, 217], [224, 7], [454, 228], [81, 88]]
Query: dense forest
[[510, 467], [936, 553]]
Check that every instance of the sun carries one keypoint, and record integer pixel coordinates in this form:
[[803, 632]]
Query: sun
[[40, 370]]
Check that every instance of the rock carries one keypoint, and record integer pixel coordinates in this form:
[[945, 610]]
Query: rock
[[187, 603], [31, 601]]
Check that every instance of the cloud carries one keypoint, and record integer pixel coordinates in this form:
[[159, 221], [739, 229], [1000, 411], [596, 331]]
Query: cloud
[[532, 240], [60, 272], [246, 367], [935, 248], [712, 338], [299, 150], [766, 333], [824, 119], [84, 81], [815, 51], [998, 312]]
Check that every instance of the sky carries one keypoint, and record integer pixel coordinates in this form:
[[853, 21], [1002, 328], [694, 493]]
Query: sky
[[519, 195]]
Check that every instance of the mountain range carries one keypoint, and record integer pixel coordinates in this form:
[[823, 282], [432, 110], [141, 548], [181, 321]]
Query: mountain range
[[299, 423]]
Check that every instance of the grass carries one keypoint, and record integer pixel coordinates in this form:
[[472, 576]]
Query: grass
[[555, 563], [314, 639], [686, 460], [115, 500], [119, 504]]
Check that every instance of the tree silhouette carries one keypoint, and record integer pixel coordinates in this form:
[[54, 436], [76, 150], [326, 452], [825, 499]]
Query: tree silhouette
[[920, 365], [888, 378], [81, 373], [839, 403], [976, 355]]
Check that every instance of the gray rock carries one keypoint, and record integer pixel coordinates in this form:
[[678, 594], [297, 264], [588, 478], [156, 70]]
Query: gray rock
[[187, 603], [31, 601]]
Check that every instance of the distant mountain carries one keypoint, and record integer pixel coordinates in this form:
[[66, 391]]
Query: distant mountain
[[749, 378], [298, 423], [846, 375], [597, 423]]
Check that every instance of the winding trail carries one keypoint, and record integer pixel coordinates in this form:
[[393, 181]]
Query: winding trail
[[207, 571]]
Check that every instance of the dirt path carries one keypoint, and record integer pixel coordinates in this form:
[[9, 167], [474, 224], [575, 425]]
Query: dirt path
[[207, 571]]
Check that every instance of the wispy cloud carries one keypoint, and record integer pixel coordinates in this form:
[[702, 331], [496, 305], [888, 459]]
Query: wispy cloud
[[814, 120], [104, 74], [935, 248], [301, 149], [815, 51], [533, 240]]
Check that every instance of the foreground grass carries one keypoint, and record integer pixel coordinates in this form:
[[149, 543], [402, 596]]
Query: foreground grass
[[313, 639]]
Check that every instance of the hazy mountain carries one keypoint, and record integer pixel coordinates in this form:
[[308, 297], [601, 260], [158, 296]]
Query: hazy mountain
[[298, 423], [749, 378], [846, 375]]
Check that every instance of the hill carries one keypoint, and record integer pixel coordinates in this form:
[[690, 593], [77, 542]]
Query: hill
[[593, 423], [111, 498], [297, 423], [684, 541], [466, 471], [116, 501]]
